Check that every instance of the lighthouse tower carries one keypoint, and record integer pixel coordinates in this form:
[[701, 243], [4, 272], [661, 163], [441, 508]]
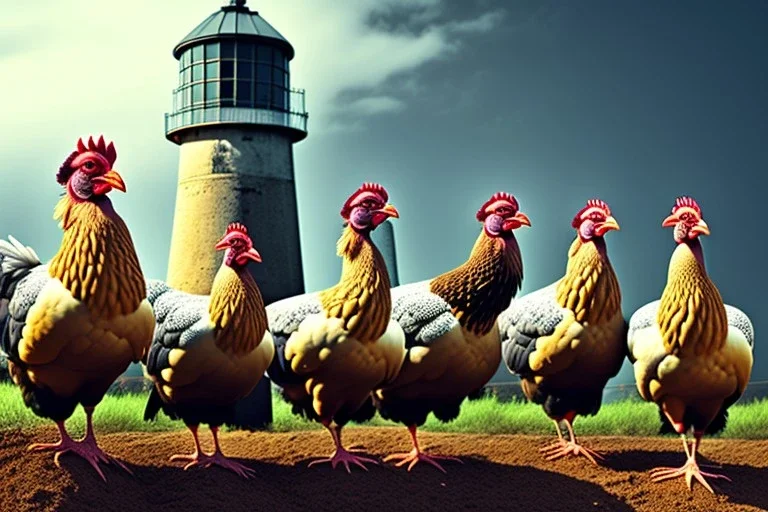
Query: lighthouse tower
[[235, 119]]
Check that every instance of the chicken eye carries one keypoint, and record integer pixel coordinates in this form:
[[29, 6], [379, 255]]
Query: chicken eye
[[685, 217], [89, 165]]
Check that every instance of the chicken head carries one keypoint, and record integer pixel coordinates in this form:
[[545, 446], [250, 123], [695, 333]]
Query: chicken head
[[238, 246], [501, 215], [594, 220], [686, 219], [87, 172]]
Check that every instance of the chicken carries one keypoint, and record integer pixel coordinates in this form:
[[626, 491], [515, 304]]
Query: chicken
[[692, 354], [567, 339], [71, 327], [334, 347], [450, 325], [208, 352]]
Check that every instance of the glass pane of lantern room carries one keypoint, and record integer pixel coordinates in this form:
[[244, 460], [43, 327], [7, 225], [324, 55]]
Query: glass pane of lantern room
[[211, 91], [263, 73], [244, 70], [212, 51], [197, 72], [244, 98], [197, 93], [211, 70], [244, 51], [278, 101], [227, 69], [227, 50], [262, 95], [264, 54], [197, 53], [227, 89]]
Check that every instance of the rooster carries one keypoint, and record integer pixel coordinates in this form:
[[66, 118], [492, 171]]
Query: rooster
[[71, 327], [567, 339], [692, 354], [334, 347], [450, 324], [209, 352]]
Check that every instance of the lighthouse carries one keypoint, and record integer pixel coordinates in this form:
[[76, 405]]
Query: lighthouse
[[235, 119]]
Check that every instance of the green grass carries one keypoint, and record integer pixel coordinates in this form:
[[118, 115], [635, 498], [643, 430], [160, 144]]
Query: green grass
[[123, 413]]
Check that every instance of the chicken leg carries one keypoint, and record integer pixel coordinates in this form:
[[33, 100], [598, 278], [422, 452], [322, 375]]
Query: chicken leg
[[570, 447], [196, 458], [414, 456], [85, 448], [341, 454], [690, 469], [218, 459]]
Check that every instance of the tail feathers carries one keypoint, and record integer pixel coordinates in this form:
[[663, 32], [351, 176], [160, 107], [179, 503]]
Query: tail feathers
[[154, 404], [16, 260]]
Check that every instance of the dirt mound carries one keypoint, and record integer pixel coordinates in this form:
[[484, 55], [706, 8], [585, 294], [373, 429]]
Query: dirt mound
[[501, 472]]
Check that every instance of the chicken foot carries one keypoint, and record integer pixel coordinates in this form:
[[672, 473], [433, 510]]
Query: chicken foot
[[562, 447], [690, 469], [341, 454], [85, 448], [414, 456], [206, 460]]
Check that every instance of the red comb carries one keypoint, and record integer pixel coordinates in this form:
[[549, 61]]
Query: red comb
[[101, 147], [591, 204], [686, 201], [236, 227], [374, 188], [498, 196]]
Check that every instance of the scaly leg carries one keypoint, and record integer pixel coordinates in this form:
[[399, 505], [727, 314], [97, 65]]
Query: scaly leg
[[340, 454], [416, 455], [572, 447], [218, 459], [196, 458], [557, 445], [689, 470], [85, 448]]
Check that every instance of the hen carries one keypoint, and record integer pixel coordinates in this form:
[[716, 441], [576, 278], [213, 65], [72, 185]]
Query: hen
[[566, 340], [209, 352], [692, 354], [71, 327], [334, 347], [450, 326]]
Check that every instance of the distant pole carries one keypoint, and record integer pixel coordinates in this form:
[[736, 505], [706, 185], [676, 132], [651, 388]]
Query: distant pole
[[384, 238]]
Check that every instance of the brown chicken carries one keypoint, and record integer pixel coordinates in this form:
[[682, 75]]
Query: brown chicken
[[692, 354], [450, 327], [73, 326], [210, 351], [566, 340], [334, 347]]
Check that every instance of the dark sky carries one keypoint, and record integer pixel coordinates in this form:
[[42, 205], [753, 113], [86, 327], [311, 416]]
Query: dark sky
[[633, 102]]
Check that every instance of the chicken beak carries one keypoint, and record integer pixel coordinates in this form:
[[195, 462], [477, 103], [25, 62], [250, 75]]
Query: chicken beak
[[700, 228], [518, 220], [389, 211], [112, 179], [670, 221], [222, 244], [607, 225], [252, 254]]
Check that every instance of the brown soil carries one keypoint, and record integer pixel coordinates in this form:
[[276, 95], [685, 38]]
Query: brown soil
[[501, 472]]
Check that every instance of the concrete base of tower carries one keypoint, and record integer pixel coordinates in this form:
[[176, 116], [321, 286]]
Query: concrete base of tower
[[237, 174]]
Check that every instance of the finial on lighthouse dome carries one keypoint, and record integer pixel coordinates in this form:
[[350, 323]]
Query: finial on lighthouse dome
[[237, 3]]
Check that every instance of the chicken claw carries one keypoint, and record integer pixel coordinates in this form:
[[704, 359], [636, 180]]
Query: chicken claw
[[558, 450], [345, 457], [204, 460], [87, 449], [414, 456], [689, 470]]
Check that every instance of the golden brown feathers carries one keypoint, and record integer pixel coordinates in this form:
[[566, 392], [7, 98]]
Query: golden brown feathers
[[691, 314], [237, 311], [97, 261], [481, 288], [363, 290], [589, 287]]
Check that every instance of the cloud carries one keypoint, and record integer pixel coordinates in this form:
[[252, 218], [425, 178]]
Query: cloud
[[375, 105], [484, 23]]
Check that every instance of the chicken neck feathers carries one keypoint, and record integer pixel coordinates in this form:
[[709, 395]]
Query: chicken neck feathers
[[96, 260], [691, 315], [361, 298], [237, 312], [481, 288]]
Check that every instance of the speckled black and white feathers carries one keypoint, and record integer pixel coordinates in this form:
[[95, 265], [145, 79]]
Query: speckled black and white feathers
[[284, 317], [529, 317], [22, 277], [423, 315]]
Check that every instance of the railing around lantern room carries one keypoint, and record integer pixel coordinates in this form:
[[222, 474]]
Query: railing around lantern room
[[289, 113]]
